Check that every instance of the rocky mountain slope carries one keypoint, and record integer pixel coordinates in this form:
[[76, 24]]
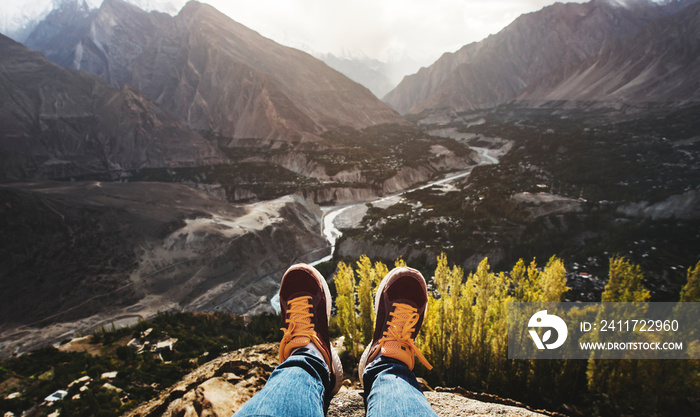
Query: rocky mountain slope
[[60, 30], [213, 73], [658, 65], [89, 253], [220, 387], [497, 69], [58, 122]]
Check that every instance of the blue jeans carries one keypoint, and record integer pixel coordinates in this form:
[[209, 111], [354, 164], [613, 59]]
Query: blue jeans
[[297, 389]]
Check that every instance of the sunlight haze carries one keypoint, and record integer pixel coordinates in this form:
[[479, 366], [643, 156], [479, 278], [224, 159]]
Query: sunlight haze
[[385, 30]]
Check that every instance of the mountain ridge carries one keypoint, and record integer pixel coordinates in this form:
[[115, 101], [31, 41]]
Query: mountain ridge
[[371, 73], [664, 72], [218, 75], [61, 122], [497, 69]]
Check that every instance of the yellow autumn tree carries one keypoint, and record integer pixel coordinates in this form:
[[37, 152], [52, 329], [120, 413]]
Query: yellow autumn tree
[[691, 290], [356, 290], [489, 324], [345, 305], [442, 321], [532, 284], [617, 379], [466, 330], [624, 282], [367, 277], [690, 372]]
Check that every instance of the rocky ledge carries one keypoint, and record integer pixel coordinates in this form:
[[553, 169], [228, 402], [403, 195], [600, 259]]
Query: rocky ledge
[[220, 387]]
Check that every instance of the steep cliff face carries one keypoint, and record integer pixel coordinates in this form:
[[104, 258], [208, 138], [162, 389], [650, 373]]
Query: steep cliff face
[[660, 64], [57, 122], [58, 34], [500, 67], [218, 75]]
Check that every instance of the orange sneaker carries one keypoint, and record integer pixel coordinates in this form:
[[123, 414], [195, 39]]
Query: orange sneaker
[[305, 303], [400, 305]]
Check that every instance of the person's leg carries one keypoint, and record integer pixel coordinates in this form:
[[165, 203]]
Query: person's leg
[[310, 372], [295, 388], [386, 366], [393, 390]]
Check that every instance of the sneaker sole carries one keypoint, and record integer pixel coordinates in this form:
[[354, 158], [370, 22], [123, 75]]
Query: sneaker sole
[[337, 370], [391, 276]]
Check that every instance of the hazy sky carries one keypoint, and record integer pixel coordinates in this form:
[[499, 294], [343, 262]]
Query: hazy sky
[[424, 29]]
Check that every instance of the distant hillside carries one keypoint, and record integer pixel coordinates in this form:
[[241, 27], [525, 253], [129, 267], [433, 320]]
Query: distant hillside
[[213, 73], [661, 64], [59, 122], [371, 73], [497, 69]]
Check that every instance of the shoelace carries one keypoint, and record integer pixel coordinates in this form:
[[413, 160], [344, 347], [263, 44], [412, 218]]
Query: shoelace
[[298, 322], [401, 326]]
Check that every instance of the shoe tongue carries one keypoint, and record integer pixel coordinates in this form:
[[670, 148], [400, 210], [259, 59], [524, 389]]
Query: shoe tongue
[[404, 301], [299, 317], [392, 345], [403, 313], [396, 350], [301, 341], [403, 316]]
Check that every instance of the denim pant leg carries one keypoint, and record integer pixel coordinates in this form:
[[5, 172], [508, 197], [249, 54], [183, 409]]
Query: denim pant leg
[[392, 390], [296, 388]]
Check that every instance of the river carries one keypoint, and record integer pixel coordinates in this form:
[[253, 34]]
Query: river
[[332, 214]]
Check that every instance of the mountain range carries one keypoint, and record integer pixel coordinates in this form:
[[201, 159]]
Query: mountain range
[[379, 76], [57, 122], [663, 68], [213, 73], [371, 73], [536, 45], [121, 89]]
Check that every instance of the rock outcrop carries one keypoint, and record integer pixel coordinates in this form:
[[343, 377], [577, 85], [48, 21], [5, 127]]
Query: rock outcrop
[[681, 206], [217, 388], [57, 122], [215, 74], [497, 69], [85, 253], [220, 387], [545, 204]]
